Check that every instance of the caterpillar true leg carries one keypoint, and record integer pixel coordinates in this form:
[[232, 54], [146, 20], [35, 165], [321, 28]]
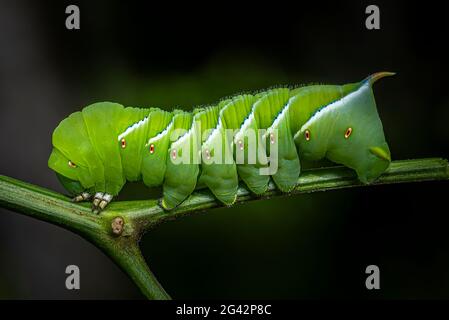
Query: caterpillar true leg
[[84, 196], [101, 200]]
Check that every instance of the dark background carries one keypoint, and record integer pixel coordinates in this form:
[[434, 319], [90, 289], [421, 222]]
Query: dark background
[[142, 54]]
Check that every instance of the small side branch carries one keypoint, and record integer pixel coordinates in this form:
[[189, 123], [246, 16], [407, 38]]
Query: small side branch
[[130, 260]]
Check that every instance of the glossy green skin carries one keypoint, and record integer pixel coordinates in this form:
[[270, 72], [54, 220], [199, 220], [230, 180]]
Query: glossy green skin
[[108, 144]]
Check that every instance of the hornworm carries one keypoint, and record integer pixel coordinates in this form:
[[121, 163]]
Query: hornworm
[[248, 137]]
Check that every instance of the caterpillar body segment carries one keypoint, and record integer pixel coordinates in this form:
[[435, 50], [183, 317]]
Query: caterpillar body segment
[[180, 179], [246, 137]]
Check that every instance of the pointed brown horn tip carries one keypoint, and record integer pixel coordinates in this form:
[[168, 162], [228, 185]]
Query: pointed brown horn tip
[[379, 75]]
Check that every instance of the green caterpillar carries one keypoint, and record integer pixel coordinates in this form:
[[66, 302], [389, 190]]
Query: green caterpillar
[[247, 137]]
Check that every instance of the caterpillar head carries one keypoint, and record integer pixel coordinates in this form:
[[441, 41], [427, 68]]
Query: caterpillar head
[[68, 172], [349, 132], [70, 155]]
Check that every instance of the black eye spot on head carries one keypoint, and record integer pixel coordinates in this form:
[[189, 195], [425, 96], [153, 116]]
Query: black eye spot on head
[[348, 132], [71, 164], [307, 134]]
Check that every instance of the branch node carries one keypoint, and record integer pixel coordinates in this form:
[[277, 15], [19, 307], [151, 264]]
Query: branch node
[[117, 225]]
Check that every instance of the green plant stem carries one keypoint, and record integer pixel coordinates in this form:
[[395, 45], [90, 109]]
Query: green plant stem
[[140, 216], [322, 179], [129, 258]]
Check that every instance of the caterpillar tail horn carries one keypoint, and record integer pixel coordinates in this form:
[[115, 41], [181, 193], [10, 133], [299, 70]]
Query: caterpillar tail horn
[[378, 75]]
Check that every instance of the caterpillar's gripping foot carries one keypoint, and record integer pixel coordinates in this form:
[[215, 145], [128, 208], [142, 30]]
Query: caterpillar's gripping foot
[[82, 197], [101, 200]]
